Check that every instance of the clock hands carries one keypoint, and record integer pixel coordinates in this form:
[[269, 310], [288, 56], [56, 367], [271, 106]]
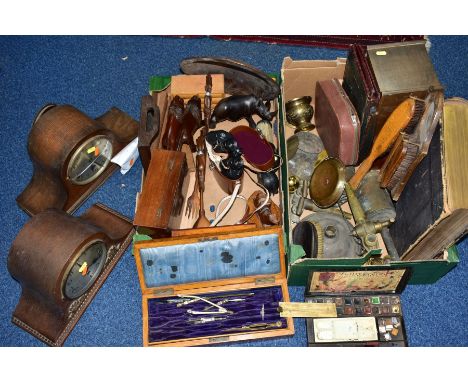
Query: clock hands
[[89, 165]]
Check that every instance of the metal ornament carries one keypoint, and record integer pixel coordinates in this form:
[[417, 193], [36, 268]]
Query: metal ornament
[[293, 183], [303, 149], [326, 187], [334, 236], [327, 182], [299, 113], [375, 201], [299, 201]]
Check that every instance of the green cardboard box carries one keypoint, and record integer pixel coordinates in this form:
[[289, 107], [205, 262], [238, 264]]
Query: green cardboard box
[[298, 78]]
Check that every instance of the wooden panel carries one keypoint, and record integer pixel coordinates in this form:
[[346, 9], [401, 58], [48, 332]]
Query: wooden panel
[[186, 86], [212, 230], [179, 288], [161, 194]]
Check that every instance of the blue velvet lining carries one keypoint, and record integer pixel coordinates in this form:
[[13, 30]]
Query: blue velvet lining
[[167, 321], [211, 260]]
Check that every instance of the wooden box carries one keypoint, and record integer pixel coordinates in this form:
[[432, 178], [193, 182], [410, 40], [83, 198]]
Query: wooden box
[[246, 268], [298, 78], [368, 306]]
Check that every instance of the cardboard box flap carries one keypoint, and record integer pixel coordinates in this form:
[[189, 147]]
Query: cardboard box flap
[[188, 262], [298, 78], [370, 279]]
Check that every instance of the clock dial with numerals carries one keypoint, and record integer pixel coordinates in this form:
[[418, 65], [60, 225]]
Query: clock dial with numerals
[[85, 269], [89, 160]]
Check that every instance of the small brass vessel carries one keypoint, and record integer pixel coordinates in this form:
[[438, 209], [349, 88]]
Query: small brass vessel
[[293, 183], [299, 113], [327, 182]]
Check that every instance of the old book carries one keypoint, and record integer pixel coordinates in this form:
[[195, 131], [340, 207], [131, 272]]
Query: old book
[[432, 212]]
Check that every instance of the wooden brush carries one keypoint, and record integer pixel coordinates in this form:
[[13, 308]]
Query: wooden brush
[[411, 147], [405, 116]]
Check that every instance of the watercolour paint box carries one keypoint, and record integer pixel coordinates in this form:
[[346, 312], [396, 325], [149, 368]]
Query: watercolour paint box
[[368, 307]]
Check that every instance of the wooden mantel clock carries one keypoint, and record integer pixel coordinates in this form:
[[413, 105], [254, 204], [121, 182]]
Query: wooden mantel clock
[[61, 261], [71, 155]]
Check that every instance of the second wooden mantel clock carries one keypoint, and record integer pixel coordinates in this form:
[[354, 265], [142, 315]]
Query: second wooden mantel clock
[[71, 155], [61, 261]]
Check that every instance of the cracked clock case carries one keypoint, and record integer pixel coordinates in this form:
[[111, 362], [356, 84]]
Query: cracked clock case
[[358, 284], [299, 78], [163, 89], [230, 263]]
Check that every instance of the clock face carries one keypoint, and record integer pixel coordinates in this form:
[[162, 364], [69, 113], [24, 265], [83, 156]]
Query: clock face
[[89, 160], [85, 269]]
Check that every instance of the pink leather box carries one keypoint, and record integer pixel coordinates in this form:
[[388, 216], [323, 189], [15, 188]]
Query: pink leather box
[[337, 121]]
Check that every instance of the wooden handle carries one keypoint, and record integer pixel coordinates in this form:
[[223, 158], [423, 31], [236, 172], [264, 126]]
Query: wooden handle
[[397, 121], [362, 170]]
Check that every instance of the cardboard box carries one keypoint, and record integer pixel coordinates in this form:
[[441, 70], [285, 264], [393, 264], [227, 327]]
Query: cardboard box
[[298, 78], [161, 90]]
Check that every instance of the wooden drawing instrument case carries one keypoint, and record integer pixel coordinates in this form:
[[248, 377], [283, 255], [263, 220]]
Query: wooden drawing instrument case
[[371, 294], [245, 268]]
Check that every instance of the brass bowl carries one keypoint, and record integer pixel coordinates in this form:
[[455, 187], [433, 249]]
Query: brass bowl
[[299, 113], [327, 182]]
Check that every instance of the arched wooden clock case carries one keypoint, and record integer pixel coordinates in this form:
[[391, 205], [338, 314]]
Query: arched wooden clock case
[[46, 258], [57, 136]]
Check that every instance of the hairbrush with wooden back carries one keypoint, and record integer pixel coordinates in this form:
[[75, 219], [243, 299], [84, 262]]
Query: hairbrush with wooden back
[[411, 148], [405, 117]]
